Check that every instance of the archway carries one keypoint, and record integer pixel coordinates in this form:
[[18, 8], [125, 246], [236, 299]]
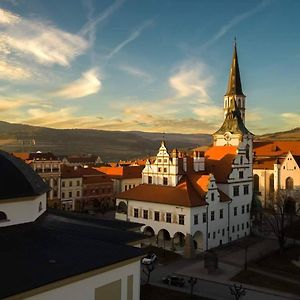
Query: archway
[[179, 239], [3, 216], [289, 183], [198, 240], [122, 208], [163, 238], [148, 231]]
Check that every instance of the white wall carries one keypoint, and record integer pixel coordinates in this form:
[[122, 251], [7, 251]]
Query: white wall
[[22, 210], [85, 289]]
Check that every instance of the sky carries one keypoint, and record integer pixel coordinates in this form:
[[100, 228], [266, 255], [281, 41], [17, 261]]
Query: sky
[[156, 66]]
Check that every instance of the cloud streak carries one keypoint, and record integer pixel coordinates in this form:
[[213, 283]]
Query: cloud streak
[[233, 22], [13, 72], [133, 36], [89, 83]]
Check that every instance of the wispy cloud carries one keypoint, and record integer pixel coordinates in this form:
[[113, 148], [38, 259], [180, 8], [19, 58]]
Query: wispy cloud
[[133, 36], [13, 72], [191, 79], [90, 27], [136, 72], [234, 21], [89, 83], [38, 40]]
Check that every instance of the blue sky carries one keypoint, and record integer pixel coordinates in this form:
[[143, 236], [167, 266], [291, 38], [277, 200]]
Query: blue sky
[[159, 66]]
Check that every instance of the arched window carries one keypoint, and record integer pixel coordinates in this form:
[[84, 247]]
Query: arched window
[[3, 216], [122, 208], [289, 183], [256, 183], [40, 206]]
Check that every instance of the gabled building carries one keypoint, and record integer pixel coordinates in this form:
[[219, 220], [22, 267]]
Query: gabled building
[[202, 200], [276, 167]]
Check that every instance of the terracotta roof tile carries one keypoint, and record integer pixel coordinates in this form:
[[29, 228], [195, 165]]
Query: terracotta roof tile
[[126, 172], [218, 161], [276, 148]]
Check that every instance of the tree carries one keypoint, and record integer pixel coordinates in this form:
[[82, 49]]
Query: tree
[[281, 214]]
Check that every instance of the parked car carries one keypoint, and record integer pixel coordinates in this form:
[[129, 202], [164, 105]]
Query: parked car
[[173, 280], [150, 258]]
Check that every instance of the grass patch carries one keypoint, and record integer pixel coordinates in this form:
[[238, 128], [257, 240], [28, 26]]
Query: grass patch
[[164, 257], [150, 292], [281, 264], [253, 278]]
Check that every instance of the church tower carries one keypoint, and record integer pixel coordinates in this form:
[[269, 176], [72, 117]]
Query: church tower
[[234, 88], [233, 130]]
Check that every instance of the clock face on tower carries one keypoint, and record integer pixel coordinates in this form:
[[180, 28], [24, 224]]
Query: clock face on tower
[[227, 136]]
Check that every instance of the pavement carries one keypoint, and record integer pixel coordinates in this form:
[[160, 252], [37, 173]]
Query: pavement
[[217, 285]]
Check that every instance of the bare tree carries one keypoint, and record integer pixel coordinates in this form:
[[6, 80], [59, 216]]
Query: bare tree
[[280, 215]]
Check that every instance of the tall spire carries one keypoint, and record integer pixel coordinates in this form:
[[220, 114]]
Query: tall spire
[[234, 82]]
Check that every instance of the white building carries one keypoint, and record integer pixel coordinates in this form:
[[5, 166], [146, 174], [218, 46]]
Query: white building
[[206, 198], [50, 256]]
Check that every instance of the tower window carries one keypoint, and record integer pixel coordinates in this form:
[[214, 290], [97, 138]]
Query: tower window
[[241, 174]]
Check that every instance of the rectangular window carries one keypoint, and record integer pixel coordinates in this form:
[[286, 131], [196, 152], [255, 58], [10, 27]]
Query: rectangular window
[[63, 184], [159, 169], [125, 187], [149, 179], [221, 213], [165, 160], [165, 181], [212, 215], [77, 193], [214, 235], [70, 194], [235, 211], [208, 235], [78, 182], [246, 189], [232, 228], [248, 208], [243, 227], [156, 216], [63, 195], [204, 217], [195, 219], [212, 196], [223, 232], [238, 227], [129, 186], [241, 174], [243, 209], [136, 212], [181, 219], [70, 183], [236, 191], [145, 214], [168, 217], [247, 224], [165, 170]]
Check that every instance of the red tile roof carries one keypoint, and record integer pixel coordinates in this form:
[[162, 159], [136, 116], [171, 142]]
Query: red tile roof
[[122, 172], [96, 179], [219, 160], [276, 148]]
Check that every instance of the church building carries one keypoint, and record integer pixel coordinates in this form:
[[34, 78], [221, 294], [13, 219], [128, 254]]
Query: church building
[[199, 200]]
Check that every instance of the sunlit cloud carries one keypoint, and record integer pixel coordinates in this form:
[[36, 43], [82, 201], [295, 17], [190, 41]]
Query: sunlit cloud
[[191, 79], [89, 83], [13, 72], [38, 40], [291, 119]]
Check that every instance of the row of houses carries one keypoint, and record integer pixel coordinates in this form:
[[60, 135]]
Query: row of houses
[[81, 183]]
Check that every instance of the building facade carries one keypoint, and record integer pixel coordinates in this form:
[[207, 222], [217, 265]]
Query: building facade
[[201, 201]]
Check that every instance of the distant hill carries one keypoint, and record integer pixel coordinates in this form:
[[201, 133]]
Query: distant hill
[[293, 134], [110, 145]]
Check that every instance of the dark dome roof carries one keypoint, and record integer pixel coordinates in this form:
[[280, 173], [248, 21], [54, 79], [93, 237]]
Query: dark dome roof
[[18, 179]]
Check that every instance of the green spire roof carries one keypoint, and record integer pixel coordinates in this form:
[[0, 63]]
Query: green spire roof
[[234, 82]]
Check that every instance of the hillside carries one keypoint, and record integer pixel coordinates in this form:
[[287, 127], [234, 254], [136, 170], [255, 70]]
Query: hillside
[[110, 145], [293, 134]]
